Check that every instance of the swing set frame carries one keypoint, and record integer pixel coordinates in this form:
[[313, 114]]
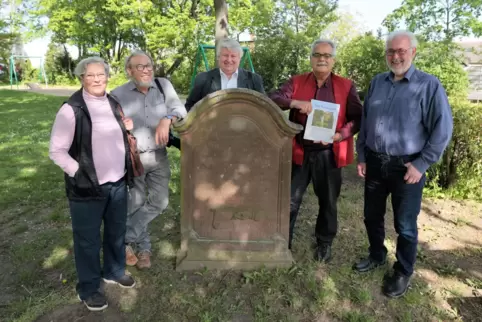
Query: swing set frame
[[13, 71]]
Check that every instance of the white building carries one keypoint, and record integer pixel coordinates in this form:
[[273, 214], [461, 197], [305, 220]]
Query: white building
[[473, 66]]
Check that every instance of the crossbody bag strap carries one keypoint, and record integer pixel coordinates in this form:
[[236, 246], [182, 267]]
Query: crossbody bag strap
[[159, 87]]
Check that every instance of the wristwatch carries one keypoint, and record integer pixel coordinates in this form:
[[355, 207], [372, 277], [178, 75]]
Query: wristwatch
[[169, 117]]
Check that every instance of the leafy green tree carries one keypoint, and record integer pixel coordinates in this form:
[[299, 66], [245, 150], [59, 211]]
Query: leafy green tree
[[438, 20], [361, 59], [283, 46], [58, 64], [249, 15], [345, 28]]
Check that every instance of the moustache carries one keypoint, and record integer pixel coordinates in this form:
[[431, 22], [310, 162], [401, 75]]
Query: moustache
[[322, 64]]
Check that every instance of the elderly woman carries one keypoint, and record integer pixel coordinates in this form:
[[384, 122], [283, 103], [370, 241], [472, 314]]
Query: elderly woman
[[89, 143]]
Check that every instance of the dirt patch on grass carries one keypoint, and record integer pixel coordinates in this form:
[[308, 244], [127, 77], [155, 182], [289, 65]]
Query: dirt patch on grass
[[79, 313]]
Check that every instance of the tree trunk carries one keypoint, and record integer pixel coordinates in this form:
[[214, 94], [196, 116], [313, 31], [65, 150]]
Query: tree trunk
[[69, 62], [221, 12], [221, 27]]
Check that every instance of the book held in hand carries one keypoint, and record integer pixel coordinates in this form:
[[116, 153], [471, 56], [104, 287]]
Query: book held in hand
[[321, 122]]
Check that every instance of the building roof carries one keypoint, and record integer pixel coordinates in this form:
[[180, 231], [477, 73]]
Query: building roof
[[472, 51], [475, 96]]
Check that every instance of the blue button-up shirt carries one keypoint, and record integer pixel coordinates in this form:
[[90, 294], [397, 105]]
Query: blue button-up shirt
[[406, 117]]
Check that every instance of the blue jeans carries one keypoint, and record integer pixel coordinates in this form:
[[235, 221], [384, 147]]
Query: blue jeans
[[384, 176], [87, 217]]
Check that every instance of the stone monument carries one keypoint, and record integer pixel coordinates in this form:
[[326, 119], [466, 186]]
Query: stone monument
[[235, 182]]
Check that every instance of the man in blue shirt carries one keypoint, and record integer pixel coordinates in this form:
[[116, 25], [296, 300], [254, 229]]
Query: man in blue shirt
[[406, 126]]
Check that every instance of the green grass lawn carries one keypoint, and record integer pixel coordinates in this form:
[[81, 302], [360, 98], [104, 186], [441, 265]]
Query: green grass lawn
[[38, 275]]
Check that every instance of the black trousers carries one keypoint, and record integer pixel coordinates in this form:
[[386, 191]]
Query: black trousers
[[320, 168], [384, 176]]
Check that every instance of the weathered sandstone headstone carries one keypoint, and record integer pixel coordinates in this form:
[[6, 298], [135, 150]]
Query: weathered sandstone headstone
[[235, 182]]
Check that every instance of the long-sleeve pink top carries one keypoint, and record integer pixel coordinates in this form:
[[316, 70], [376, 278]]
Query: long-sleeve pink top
[[108, 148]]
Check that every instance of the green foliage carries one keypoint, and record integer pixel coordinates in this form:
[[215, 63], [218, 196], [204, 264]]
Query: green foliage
[[459, 172], [283, 47], [347, 27], [181, 78], [59, 65], [361, 59], [249, 15], [440, 59], [8, 41], [24, 70], [117, 80], [168, 30], [437, 20]]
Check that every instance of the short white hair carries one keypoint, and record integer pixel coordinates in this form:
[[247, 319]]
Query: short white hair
[[81, 67], [230, 44], [402, 33], [324, 41], [133, 54]]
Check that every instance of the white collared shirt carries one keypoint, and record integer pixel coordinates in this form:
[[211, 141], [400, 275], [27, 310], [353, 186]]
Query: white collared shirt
[[229, 83]]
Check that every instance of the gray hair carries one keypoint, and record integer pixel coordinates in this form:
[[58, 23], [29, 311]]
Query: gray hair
[[82, 65], [133, 54], [230, 44], [324, 41], [402, 33]]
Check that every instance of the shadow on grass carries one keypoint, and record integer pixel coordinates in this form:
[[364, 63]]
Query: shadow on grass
[[307, 291], [469, 308], [39, 283], [28, 176], [437, 215]]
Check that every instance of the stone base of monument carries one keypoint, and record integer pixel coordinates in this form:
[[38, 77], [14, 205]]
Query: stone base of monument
[[235, 182], [211, 255]]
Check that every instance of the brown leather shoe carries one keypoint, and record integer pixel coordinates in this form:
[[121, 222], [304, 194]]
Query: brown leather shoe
[[144, 259], [131, 259]]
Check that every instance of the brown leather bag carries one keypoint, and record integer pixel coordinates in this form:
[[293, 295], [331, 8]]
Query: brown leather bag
[[137, 167]]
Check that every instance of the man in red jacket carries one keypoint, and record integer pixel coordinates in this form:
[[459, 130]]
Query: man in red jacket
[[320, 162]]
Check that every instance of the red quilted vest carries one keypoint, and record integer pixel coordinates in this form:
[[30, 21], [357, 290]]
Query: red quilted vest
[[304, 90]]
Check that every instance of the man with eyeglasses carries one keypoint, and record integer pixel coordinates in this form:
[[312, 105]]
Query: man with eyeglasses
[[152, 110], [406, 126], [320, 162]]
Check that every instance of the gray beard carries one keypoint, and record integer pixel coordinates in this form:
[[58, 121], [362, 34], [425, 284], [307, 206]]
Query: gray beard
[[140, 83]]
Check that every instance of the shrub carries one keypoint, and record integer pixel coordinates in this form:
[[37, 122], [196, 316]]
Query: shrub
[[443, 61], [181, 78], [64, 79], [117, 80], [361, 59], [459, 173]]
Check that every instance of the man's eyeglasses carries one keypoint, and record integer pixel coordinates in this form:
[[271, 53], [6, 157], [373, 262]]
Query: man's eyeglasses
[[141, 67], [319, 55], [400, 51]]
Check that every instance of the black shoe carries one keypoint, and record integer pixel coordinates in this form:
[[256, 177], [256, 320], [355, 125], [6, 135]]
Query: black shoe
[[396, 285], [96, 302], [323, 253], [125, 281], [367, 264]]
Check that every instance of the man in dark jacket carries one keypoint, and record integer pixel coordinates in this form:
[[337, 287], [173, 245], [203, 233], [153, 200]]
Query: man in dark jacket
[[228, 75]]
